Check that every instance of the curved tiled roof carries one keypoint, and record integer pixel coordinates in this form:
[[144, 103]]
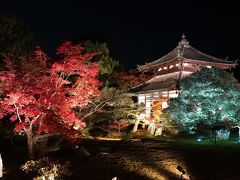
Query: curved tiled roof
[[185, 51], [154, 85], [168, 57], [194, 54]]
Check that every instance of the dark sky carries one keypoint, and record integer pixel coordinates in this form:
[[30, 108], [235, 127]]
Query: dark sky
[[136, 32]]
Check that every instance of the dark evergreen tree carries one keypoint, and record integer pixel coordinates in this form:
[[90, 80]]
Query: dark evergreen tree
[[16, 40], [107, 64], [15, 37]]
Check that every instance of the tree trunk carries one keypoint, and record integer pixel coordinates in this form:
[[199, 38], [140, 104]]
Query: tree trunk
[[30, 145], [1, 167], [215, 137], [152, 128], [238, 131], [135, 128], [158, 131]]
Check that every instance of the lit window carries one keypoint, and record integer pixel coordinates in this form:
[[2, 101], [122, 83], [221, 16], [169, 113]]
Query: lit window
[[185, 64], [170, 67], [209, 67], [165, 68], [177, 65], [159, 69]]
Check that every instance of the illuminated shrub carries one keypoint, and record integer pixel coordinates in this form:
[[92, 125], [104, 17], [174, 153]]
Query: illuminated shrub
[[46, 169]]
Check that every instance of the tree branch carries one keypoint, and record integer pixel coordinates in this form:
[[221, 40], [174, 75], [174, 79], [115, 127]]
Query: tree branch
[[18, 115]]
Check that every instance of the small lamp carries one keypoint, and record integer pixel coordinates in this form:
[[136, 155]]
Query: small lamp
[[180, 169]]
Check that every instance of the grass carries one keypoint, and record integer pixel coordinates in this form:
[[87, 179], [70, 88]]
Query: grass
[[205, 141], [207, 160]]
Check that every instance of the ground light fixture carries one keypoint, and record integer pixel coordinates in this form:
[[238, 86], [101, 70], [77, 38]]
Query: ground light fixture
[[181, 170]]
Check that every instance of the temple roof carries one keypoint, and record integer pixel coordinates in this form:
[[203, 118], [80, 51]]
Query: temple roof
[[185, 51], [145, 87]]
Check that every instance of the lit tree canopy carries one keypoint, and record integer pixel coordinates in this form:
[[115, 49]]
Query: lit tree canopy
[[41, 99], [210, 96], [113, 106]]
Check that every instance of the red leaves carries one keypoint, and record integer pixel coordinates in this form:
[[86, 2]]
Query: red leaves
[[67, 48], [13, 118], [45, 97], [40, 55], [130, 79], [119, 124], [19, 126]]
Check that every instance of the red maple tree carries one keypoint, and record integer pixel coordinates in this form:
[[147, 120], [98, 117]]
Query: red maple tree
[[41, 99], [130, 79]]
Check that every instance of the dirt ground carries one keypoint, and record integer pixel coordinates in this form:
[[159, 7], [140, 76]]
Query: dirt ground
[[137, 160], [134, 160]]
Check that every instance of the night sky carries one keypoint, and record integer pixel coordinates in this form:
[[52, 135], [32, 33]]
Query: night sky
[[136, 32]]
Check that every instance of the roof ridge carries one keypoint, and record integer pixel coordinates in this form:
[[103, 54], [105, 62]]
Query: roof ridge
[[157, 60], [207, 55], [184, 51]]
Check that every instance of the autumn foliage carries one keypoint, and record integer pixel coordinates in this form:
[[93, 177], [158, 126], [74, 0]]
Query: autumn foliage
[[156, 110], [130, 79], [41, 99]]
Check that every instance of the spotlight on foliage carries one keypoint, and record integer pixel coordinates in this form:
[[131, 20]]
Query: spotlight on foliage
[[210, 97], [40, 97], [47, 169]]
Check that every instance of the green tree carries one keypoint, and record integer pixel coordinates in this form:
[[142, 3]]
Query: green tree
[[169, 125], [15, 37], [107, 64], [114, 108], [210, 97], [110, 111]]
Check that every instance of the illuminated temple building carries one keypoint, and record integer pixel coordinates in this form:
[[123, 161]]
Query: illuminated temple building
[[181, 62]]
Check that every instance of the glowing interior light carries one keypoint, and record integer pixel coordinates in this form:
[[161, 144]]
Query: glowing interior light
[[159, 69], [170, 67], [165, 68], [209, 67], [164, 105], [177, 65], [185, 64], [142, 115]]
